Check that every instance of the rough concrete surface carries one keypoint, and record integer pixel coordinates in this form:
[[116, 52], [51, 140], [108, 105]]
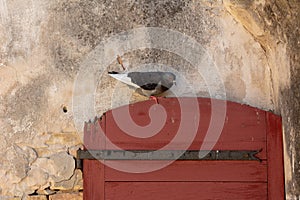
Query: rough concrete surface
[[253, 44]]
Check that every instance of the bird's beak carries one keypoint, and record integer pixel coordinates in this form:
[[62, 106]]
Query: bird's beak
[[174, 82]]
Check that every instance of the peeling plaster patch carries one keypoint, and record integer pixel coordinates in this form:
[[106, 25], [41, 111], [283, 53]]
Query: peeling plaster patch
[[235, 87], [26, 18], [24, 109], [271, 39], [3, 12], [5, 33], [237, 53], [9, 80], [28, 100]]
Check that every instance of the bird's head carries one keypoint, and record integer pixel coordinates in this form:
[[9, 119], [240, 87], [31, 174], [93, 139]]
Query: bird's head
[[169, 78]]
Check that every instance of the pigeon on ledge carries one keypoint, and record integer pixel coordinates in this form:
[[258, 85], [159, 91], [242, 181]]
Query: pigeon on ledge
[[147, 83]]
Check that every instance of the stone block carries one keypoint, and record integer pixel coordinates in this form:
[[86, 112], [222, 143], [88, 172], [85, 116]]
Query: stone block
[[36, 179], [68, 139], [63, 165], [36, 197], [10, 198], [67, 196], [74, 183]]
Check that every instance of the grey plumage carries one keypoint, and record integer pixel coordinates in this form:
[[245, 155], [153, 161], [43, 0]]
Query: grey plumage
[[147, 83]]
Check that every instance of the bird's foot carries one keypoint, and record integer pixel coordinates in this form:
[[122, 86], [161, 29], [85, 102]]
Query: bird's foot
[[155, 99]]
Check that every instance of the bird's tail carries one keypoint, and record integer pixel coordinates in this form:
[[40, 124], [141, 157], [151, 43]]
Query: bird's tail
[[123, 78]]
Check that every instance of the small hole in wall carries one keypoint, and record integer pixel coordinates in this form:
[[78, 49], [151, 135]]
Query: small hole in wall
[[65, 109]]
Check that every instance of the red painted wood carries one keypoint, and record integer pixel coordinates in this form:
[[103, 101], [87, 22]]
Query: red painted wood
[[245, 128], [244, 124], [196, 171], [275, 158], [93, 170], [185, 190], [93, 180]]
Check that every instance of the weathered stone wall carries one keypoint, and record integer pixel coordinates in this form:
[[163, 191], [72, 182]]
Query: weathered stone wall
[[275, 25], [253, 44]]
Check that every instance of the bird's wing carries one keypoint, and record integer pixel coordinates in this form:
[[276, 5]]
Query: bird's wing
[[124, 78], [145, 79]]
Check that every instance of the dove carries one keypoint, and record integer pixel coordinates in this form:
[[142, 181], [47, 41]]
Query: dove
[[147, 83]]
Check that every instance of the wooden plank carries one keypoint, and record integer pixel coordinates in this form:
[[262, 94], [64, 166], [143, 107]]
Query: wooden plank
[[275, 158], [185, 190], [243, 123], [93, 170], [193, 171], [93, 180], [244, 128]]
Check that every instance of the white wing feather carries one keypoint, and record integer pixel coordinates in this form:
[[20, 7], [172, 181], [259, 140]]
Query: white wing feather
[[124, 78]]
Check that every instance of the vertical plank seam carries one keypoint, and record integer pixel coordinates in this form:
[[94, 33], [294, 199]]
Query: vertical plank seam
[[267, 130], [104, 132]]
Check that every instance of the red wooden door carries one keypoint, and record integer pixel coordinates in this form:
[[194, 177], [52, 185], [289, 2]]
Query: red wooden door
[[245, 128]]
